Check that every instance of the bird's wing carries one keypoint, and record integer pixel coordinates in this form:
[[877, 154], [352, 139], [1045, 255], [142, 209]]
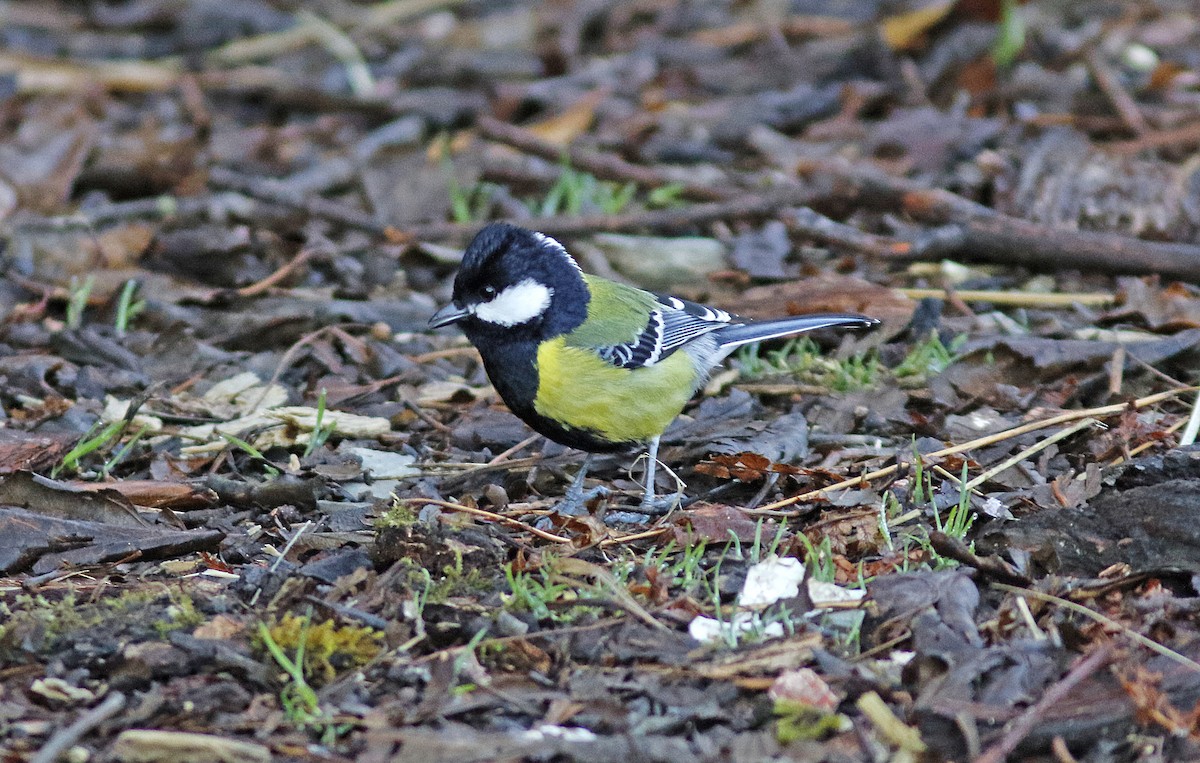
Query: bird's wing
[[673, 322], [657, 325], [652, 325], [683, 321]]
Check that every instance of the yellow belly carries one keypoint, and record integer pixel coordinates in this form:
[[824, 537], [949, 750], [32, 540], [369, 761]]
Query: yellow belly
[[582, 391]]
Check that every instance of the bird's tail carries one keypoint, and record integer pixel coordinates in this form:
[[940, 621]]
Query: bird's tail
[[744, 333]]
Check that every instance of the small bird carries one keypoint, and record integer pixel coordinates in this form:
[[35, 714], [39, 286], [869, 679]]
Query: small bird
[[588, 362]]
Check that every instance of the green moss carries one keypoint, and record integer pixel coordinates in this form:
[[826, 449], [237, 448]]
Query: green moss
[[456, 583], [456, 579], [181, 615], [54, 618], [802, 359], [67, 615], [328, 648], [34, 623], [799, 721], [401, 515]]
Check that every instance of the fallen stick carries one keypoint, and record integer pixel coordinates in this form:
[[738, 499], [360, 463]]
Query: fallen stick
[[988, 236], [1017, 298], [658, 219], [1033, 426], [603, 166], [66, 738], [276, 192], [1020, 728]]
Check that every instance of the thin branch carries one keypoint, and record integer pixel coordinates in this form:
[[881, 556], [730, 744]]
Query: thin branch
[[258, 287], [1116, 93], [1018, 298], [683, 218], [66, 738], [1033, 426], [1020, 728], [274, 191], [604, 166], [489, 515], [1106, 621], [987, 236], [1037, 447]]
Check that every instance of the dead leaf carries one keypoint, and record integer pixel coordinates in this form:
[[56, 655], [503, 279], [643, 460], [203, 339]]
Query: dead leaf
[[157, 494], [62, 500], [906, 31], [562, 128], [715, 523]]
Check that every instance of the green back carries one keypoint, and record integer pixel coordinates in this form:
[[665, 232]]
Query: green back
[[616, 314]]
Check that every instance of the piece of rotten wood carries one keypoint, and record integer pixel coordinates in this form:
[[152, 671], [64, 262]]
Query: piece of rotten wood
[[39, 543]]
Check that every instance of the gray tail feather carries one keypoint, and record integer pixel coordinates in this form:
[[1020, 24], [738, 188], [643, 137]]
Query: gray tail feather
[[759, 331]]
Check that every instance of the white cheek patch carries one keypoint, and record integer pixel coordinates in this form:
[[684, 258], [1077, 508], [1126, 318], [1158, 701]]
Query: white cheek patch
[[517, 304]]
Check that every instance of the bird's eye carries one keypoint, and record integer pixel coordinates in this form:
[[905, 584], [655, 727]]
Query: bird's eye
[[489, 291]]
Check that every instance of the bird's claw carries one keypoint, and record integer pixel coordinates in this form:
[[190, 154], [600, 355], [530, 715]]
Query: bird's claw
[[574, 503], [659, 505]]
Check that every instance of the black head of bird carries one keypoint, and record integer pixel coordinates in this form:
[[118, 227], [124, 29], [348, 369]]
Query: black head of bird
[[513, 282]]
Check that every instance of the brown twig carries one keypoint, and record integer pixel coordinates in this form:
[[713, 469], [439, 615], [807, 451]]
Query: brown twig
[[289, 267], [1184, 136], [157, 207], [1011, 241], [465, 351], [682, 218], [292, 352], [66, 738], [987, 236], [1020, 728], [1033, 426], [1107, 622], [818, 227], [651, 533], [745, 32], [1115, 92], [423, 416], [269, 189], [604, 166], [505, 455], [1019, 298], [489, 515]]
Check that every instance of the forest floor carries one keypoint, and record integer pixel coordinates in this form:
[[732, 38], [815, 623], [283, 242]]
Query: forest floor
[[251, 508]]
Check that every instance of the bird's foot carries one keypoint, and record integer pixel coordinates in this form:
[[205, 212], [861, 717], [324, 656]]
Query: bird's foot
[[659, 505], [574, 502]]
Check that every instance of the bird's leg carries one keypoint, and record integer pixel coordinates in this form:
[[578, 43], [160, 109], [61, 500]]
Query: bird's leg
[[574, 500], [651, 469], [650, 503]]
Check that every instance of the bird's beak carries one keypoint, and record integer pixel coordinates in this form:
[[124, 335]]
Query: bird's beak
[[451, 313]]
